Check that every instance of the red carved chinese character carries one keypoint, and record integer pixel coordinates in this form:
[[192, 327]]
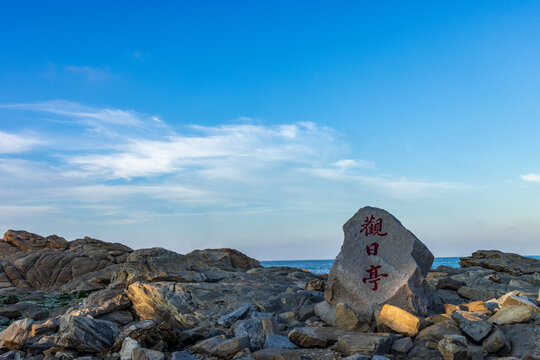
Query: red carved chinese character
[[372, 249], [372, 226], [374, 276]]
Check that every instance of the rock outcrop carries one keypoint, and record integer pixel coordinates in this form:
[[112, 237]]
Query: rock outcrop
[[220, 304], [30, 261], [508, 263], [380, 262]]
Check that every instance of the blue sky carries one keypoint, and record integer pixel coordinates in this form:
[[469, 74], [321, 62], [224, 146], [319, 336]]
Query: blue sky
[[264, 126]]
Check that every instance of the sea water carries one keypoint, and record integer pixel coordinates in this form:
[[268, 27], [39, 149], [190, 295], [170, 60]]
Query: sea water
[[323, 266]]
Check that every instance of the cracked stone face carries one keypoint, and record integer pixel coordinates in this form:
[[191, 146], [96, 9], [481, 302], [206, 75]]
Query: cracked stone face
[[381, 262]]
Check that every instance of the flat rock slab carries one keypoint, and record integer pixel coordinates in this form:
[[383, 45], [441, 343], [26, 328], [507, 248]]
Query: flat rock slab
[[314, 336], [380, 262], [365, 343], [511, 314], [509, 263], [276, 354], [221, 347]]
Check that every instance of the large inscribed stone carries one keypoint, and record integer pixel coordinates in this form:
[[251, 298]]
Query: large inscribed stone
[[380, 262]]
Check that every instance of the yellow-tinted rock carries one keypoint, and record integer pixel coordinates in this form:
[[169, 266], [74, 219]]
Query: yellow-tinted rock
[[450, 308], [437, 318], [517, 300], [399, 320], [347, 319], [475, 306], [511, 314]]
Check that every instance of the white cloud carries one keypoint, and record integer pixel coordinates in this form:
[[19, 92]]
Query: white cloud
[[531, 177], [17, 143], [84, 115], [238, 164], [101, 192], [213, 149], [90, 73]]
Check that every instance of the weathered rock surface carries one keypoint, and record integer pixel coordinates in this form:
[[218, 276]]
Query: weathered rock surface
[[473, 326], [454, 347], [221, 347], [218, 304], [31, 261], [147, 354], [347, 319], [15, 335], [26, 241], [311, 336], [276, 354], [511, 314], [524, 339], [509, 263], [495, 341], [380, 262], [256, 330], [86, 334], [365, 343], [102, 302], [402, 346], [278, 341]]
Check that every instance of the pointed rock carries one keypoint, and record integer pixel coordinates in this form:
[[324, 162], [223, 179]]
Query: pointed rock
[[381, 262]]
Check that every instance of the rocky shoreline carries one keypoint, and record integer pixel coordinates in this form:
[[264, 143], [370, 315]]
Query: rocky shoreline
[[90, 299]]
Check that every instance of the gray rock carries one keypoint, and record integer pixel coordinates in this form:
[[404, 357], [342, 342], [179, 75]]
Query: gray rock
[[433, 334], [261, 315], [326, 312], [476, 294], [244, 354], [357, 357], [13, 355], [524, 339], [365, 344], [454, 347], [380, 262], [131, 328], [495, 341], [4, 321], [86, 334], [221, 347], [473, 326], [232, 317], [102, 302], [128, 346], [449, 283], [310, 336], [15, 335], [278, 341], [509, 263], [147, 354], [402, 346], [182, 355], [276, 354], [253, 329], [477, 352], [121, 317]]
